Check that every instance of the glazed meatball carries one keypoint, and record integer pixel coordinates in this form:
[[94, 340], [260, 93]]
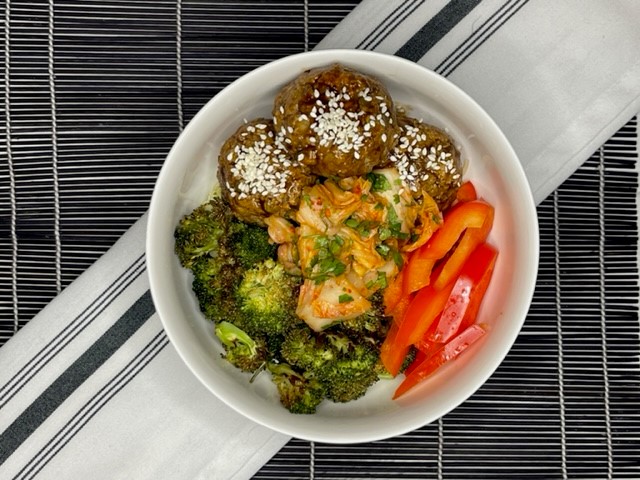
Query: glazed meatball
[[340, 122], [427, 160], [257, 176]]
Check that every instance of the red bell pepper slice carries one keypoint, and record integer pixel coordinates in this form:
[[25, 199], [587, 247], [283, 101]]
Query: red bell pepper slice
[[425, 345], [471, 238], [401, 308], [447, 353], [486, 253], [421, 313], [468, 291], [457, 219], [466, 192], [420, 357], [392, 354]]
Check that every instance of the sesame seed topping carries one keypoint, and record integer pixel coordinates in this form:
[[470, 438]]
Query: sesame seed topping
[[260, 168], [409, 155], [334, 125]]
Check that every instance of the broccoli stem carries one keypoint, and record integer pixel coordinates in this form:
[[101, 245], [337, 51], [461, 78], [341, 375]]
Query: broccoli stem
[[230, 335]]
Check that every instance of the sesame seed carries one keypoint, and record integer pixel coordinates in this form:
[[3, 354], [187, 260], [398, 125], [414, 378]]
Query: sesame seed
[[259, 169], [334, 125]]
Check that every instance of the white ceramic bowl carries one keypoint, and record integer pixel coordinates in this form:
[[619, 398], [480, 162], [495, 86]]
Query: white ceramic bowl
[[189, 173]]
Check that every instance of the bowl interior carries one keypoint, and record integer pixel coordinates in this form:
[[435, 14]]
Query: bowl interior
[[189, 175]]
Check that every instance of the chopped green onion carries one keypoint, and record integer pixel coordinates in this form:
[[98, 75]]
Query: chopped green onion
[[345, 298]]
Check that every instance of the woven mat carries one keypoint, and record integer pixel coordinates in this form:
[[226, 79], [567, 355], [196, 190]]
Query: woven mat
[[95, 93]]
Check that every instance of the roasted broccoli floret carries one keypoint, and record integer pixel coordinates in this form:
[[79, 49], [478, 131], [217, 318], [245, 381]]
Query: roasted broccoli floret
[[305, 349], [219, 249], [350, 375], [214, 304], [202, 232], [240, 349], [267, 297], [297, 393], [251, 244], [345, 368]]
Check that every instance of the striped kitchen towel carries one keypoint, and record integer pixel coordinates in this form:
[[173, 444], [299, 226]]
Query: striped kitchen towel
[[90, 388]]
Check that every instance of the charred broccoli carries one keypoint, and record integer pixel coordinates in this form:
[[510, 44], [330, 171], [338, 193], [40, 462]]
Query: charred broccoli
[[203, 232], [267, 298], [350, 375], [345, 368], [251, 244], [219, 248], [298, 394]]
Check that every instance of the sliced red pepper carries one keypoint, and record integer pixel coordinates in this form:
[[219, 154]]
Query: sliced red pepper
[[420, 357], [447, 353], [400, 309], [417, 272], [469, 289], [426, 345], [453, 311], [421, 313], [425, 349], [485, 253], [392, 354], [471, 238], [457, 219], [466, 192]]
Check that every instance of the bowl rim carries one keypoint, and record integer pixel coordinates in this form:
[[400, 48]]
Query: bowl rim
[[153, 257]]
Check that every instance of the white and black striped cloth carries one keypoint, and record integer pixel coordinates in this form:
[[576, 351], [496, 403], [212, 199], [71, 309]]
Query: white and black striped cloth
[[90, 387]]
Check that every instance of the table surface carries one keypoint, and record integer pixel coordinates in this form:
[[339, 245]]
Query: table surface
[[96, 92]]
